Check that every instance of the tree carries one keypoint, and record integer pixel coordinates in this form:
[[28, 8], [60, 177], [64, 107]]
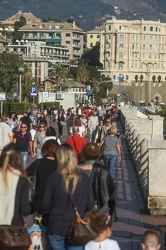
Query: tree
[[54, 19], [70, 20], [82, 74], [59, 73], [9, 75], [17, 25]]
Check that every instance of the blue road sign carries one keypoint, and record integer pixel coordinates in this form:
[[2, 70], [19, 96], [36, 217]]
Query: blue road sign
[[33, 90]]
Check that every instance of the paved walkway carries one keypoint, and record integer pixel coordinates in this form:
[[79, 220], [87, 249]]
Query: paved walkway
[[133, 217]]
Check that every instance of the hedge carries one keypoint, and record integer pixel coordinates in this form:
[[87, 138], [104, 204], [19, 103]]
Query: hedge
[[45, 105], [20, 108]]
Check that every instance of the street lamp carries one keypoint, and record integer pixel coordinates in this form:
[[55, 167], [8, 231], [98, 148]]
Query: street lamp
[[21, 71], [6, 74]]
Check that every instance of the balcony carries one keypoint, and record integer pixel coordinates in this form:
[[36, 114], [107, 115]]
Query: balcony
[[77, 53], [77, 38], [78, 46]]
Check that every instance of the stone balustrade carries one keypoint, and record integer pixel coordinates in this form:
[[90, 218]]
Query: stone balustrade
[[144, 135]]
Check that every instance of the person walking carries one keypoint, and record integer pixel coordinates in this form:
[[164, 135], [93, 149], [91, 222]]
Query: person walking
[[70, 120], [76, 142], [13, 122], [23, 140], [26, 120], [105, 129], [93, 122], [14, 187], [61, 122], [111, 150], [38, 140], [56, 202], [5, 133]]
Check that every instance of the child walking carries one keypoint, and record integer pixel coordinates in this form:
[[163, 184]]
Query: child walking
[[102, 225], [150, 240]]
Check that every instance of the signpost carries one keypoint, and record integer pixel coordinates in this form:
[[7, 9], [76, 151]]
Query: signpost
[[33, 91], [2, 98]]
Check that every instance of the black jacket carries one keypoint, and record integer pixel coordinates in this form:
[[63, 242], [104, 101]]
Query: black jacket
[[102, 186]]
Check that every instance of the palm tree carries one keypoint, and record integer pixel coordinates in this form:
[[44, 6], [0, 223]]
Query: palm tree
[[83, 74]]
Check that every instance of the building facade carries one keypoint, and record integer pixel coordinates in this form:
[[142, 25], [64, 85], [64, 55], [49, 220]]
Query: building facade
[[135, 49], [40, 57], [56, 34], [93, 36]]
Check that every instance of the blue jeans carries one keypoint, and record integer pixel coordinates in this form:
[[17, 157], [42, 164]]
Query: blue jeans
[[110, 161], [24, 156], [59, 242]]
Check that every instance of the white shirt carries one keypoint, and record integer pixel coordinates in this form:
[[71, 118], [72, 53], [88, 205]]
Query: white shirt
[[103, 245], [5, 133], [81, 130], [51, 138]]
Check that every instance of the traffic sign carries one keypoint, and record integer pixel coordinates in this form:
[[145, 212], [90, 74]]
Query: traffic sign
[[45, 96], [2, 96], [33, 90]]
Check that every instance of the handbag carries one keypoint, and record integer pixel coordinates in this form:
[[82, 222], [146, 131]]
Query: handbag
[[62, 123], [80, 231], [14, 237]]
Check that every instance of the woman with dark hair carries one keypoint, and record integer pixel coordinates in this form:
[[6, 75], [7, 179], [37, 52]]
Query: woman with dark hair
[[38, 140], [56, 202], [51, 135], [13, 122], [14, 187], [60, 120], [43, 168]]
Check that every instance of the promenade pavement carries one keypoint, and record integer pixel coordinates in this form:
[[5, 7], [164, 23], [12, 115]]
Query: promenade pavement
[[133, 217]]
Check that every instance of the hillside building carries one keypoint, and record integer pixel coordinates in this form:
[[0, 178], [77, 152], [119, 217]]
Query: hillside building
[[63, 34], [93, 36]]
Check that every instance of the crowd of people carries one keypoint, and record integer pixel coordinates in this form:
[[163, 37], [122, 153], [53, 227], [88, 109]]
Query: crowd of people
[[81, 168]]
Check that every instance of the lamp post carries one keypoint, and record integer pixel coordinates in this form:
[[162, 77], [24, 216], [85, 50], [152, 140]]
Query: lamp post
[[21, 70], [6, 30]]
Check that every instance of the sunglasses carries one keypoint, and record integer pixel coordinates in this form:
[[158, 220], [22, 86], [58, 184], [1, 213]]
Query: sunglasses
[[23, 127], [41, 126]]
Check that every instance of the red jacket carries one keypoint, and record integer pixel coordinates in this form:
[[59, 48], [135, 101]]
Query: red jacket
[[77, 143]]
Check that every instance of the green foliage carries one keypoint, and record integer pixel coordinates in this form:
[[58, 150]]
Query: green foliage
[[18, 24], [19, 108], [54, 19], [45, 105], [70, 20], [92, 56], [163, 114]]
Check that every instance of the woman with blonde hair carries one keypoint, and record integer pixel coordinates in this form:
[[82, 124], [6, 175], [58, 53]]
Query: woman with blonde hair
[[56, 200], [14, 187]]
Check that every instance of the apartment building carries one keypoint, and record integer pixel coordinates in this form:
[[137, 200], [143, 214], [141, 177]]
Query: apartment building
[[40, 57], [93, 36], [63, 34], [134, 50]]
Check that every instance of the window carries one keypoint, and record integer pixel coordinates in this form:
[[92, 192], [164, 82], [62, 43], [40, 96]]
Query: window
[[144, 38], [121, 46], [114, 77], [127, 77], [120, 65], [41, 35], [109, 27], [67, 42], [132, 55], [121, 37], [143, 46], [151, 28], [51, 34], [67, 34], [91, 36], [91, 45], [150, 47], [156, 29], [144, 28], [34, 34], [150, 38], [58, 34], [133, 37], [120, 27], [150, 55], [133, 46], [121, 55], [98, 36]]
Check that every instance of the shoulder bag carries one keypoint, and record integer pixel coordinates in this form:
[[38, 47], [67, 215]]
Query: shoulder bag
[[14, 237], [80, 231], [33, 180]]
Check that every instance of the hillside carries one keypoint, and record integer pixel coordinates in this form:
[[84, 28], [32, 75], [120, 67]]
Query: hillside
[[88, 13]]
